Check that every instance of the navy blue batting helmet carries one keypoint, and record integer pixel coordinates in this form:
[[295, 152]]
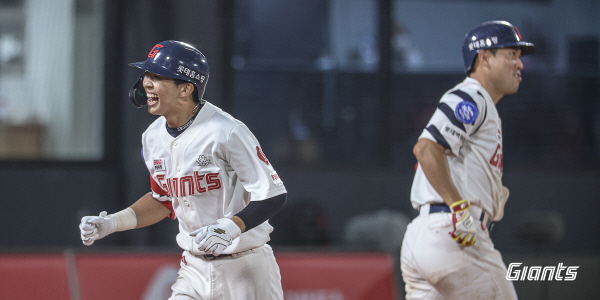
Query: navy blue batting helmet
[[493, 34], [172, 59]]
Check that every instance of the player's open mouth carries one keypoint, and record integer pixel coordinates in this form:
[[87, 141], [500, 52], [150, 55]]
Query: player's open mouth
[[518, 77], [152, 99]]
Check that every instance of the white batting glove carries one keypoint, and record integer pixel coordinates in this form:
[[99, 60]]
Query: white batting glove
[[214, 239], [464, 227], [93, 228]]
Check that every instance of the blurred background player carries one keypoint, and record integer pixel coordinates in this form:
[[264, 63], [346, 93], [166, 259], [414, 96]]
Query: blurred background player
[[447, 252], [206, 169]]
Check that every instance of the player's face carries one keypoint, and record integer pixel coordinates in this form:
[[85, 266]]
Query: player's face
[[506, 69], [162, 94]]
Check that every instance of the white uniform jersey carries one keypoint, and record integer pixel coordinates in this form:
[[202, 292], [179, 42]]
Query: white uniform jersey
[[210, 171], [467, 124]]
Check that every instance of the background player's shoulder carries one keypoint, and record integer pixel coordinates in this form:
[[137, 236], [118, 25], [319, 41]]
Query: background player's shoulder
[[465, 91]]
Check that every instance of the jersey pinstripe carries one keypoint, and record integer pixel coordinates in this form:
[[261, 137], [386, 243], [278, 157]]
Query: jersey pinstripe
[[210, 171], [474, 150]]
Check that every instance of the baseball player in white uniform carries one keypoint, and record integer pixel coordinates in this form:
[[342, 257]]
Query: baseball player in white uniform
[[207, 170], [447, 252]]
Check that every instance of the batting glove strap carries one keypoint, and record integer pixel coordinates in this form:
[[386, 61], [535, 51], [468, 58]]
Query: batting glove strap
[[232, 228], [464, 226]]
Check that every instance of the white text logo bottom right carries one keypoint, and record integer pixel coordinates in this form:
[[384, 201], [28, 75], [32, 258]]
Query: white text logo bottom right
[[538, 273]]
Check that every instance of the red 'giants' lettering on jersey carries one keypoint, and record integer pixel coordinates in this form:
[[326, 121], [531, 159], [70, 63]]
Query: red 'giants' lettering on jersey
[[190, 185], [261, 155], [498, 159]]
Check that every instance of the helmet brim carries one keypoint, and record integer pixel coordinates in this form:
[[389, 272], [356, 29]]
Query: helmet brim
[[526, 48], [152, 68]]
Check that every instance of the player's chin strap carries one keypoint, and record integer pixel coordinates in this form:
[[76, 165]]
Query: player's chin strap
[[137, 93]]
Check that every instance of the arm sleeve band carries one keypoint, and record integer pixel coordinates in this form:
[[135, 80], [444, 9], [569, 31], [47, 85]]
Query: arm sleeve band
[[259, 211], [126, 219]]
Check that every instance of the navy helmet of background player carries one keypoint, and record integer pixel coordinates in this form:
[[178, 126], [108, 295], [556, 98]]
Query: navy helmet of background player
[[457, 187], [492, 34], [208, 170]]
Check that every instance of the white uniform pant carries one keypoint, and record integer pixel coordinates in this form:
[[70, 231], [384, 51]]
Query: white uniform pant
[[434, 266], [254, 275]]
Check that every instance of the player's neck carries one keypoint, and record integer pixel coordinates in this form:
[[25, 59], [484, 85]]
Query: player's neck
[[181, 116], [488, 86]]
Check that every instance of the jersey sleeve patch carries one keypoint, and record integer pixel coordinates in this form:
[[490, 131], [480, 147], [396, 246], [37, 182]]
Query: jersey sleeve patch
[[466, 112], [443, 107], [275, 178], [261, 155]]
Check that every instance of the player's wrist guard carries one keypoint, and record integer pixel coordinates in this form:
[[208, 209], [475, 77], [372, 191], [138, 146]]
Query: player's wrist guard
[[464, 226], [125, 219], [232, 228]]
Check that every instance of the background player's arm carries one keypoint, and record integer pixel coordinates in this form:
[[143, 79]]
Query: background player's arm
[[432, 159], [149, 211]]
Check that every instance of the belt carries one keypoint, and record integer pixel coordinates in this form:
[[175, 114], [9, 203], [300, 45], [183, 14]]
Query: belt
[[484, 217], [222, 256]]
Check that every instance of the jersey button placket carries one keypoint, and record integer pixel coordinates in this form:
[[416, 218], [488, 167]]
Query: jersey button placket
[[176, 161]]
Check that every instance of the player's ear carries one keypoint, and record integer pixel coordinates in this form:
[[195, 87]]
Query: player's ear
[[482, 59], [186, 90]]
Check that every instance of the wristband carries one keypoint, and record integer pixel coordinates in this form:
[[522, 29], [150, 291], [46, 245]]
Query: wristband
[[459, 205], [126, 219], [233, 229]]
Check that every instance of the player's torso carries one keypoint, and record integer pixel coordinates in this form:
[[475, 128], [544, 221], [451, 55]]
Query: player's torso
[[476, 168], [193, 170]]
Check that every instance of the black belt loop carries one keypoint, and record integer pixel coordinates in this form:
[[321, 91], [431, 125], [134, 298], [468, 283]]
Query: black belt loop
[[489, 224]]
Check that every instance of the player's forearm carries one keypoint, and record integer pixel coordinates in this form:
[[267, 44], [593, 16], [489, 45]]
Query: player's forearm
[[240, 223], [149, 211], [432, 159]]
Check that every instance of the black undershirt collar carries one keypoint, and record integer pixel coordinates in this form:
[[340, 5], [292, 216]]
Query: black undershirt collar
[[175, 132]]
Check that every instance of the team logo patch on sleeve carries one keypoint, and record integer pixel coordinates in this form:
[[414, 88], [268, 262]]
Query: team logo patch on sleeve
[[275, 178], [466, 112], [261, 155], [159, 165]]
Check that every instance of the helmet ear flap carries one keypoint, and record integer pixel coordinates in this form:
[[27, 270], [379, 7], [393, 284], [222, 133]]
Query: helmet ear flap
[[137, 93]]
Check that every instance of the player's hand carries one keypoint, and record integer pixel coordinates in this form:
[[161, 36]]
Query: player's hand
[[464, 226], [93, 228], [213, 239]]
